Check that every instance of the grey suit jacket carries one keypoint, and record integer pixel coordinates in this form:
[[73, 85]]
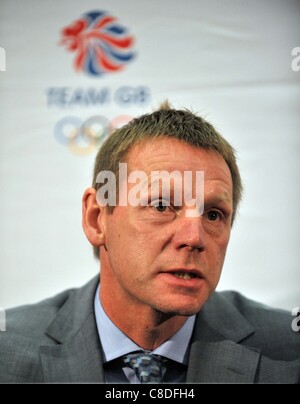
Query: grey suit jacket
[[234, 341]]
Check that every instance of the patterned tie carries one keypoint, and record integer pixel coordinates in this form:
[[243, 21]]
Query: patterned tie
[[148, 368]]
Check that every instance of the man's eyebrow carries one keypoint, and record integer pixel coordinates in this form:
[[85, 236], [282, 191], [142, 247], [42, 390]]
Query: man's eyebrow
[[214, 199]]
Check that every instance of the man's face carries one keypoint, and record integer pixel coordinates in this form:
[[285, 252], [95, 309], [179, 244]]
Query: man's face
[[158, 257]]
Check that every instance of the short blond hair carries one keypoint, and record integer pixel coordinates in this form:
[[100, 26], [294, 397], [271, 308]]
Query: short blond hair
[[180, 124]]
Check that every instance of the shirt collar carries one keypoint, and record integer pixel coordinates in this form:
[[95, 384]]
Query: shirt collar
[[115, 343]]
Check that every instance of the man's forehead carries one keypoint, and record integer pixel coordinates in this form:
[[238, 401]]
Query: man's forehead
[[167, 153], [159, 149]]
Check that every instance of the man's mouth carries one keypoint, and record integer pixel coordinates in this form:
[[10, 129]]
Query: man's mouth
[[184, 275]]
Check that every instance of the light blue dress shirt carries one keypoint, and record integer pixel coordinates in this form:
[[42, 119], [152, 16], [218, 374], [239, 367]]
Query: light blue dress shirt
[[116, 344]]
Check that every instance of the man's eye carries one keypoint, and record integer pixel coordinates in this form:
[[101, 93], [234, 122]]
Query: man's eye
[[213, 215], [160, 206]]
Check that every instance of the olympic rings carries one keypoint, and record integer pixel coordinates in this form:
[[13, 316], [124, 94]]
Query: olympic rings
[[82, 138]]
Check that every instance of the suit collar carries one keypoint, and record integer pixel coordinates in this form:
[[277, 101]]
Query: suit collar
[[215, 355], [74, 311]]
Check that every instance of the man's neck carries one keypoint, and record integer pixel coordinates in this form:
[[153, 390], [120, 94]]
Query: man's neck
[[144, 325]]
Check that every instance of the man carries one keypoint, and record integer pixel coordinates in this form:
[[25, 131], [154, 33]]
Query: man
[[154, 316]]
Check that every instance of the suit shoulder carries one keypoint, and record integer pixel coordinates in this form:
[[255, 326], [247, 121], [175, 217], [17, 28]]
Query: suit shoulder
[[274, 333], [33, 319], [25, 332], [256, 311]]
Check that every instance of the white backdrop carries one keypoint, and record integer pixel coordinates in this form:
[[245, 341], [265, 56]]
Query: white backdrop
[[230, 61]]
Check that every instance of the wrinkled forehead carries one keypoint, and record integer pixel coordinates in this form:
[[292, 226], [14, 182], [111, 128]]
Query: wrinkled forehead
[[167, 153]]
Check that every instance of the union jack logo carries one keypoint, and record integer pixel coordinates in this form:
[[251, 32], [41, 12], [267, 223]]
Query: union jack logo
[[101, 44]]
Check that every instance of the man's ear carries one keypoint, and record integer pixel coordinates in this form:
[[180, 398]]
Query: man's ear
[[92, 218]]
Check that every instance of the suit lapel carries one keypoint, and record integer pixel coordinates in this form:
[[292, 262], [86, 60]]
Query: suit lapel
[[222, 362], [79, 360], [216, 355], [77, 356]]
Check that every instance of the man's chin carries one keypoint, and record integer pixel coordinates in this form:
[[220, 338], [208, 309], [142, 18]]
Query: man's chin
[[185, 311]]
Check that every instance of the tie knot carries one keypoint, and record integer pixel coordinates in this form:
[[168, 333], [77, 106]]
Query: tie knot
[[148, 367]]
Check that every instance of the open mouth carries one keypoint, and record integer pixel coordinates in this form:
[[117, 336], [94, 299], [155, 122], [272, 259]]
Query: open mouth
[[184, 275]]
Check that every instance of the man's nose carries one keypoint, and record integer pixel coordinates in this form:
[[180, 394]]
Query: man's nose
[[189, 234]]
